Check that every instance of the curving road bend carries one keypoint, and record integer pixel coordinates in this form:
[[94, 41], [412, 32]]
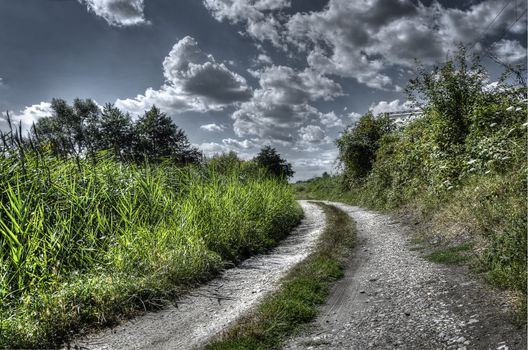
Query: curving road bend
[[211, 308], [391, 298]]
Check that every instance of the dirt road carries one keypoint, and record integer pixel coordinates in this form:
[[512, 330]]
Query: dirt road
[[393, 298], [389, 298], [211, 308]]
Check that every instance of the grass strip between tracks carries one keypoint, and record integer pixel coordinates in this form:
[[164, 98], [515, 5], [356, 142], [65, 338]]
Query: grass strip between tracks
[[303, 289]]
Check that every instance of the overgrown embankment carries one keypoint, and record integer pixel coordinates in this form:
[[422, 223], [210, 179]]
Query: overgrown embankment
[[305, 287], [460, 168], [86, 242]]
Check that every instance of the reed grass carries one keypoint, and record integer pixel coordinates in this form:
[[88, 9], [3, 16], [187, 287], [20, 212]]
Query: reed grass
[[84, 243]]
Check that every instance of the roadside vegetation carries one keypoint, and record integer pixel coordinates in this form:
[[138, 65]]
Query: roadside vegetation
[[460, 168], [91, 232], [302, 290]]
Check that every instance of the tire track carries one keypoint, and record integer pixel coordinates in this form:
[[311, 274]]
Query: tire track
[[392, 298]]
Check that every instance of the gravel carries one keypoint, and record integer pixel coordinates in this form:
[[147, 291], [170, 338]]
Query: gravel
[[211, 308], [392, 298]]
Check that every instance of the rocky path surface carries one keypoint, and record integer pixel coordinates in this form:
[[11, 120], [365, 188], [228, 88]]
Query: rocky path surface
[[210, 309], [392, 298]]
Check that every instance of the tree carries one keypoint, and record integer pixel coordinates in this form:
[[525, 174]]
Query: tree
[[450, 90], [358, 145], [87, 116], [116, 132], [157, 138], [225, 163], [269, 159], [70, 130]]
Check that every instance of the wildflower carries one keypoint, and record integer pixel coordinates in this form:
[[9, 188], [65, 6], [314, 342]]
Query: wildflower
[[518, 109], [509, 109], [492, 125], [471, 161], [525, 125]]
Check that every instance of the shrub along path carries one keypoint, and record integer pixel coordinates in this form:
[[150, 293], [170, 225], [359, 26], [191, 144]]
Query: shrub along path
[[391, 298], [211, 308]]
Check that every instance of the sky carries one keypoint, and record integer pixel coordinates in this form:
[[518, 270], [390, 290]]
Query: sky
[[241, 74]]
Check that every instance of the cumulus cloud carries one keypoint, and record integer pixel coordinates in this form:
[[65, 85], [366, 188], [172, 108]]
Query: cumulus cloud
[[307, 167], [364, 39], [240, 144], [213, 127], [313, 134], [245, 149], [210, 149], [388, 107], [281, 104], [331, 120], [256, 15], [29, 115], [118, 12], [509, 51], [264, 59], [194, 81]]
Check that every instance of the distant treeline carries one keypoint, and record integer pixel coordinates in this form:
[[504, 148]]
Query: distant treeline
[[84, 130]]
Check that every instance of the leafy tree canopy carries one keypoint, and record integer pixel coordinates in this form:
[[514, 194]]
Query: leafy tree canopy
[[269, 159]]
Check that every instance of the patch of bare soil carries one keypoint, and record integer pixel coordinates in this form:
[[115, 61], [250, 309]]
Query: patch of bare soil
[[392, 298], [208, 310]]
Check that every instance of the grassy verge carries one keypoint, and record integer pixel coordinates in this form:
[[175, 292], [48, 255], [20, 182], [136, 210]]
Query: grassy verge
[[282, 313], [86, 244], [480, 223], [453, 255]]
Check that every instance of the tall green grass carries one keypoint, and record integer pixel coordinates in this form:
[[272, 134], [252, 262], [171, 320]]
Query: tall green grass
[[86, 243]]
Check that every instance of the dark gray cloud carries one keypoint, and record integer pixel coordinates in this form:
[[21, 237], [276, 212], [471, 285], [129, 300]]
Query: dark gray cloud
[[290, 73], [385, 11], [217, 83], [256, 15], [194, 82], [281, 103]]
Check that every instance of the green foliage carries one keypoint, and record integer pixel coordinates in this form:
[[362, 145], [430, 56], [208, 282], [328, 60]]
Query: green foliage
[[84, 130], [229, 163], [282, 313], [452, 255], [116, 132], [462, 164], [158, 139], [327, 187], [269, 159], [84, 243], [358, 145], [451, 90], [68, 131]]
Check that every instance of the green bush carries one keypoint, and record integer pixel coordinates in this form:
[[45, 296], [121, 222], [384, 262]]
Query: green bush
[[358, 145], [462, 164]]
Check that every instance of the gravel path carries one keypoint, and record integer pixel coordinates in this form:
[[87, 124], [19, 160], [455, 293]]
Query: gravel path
[[392, 298], [212, 307]]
